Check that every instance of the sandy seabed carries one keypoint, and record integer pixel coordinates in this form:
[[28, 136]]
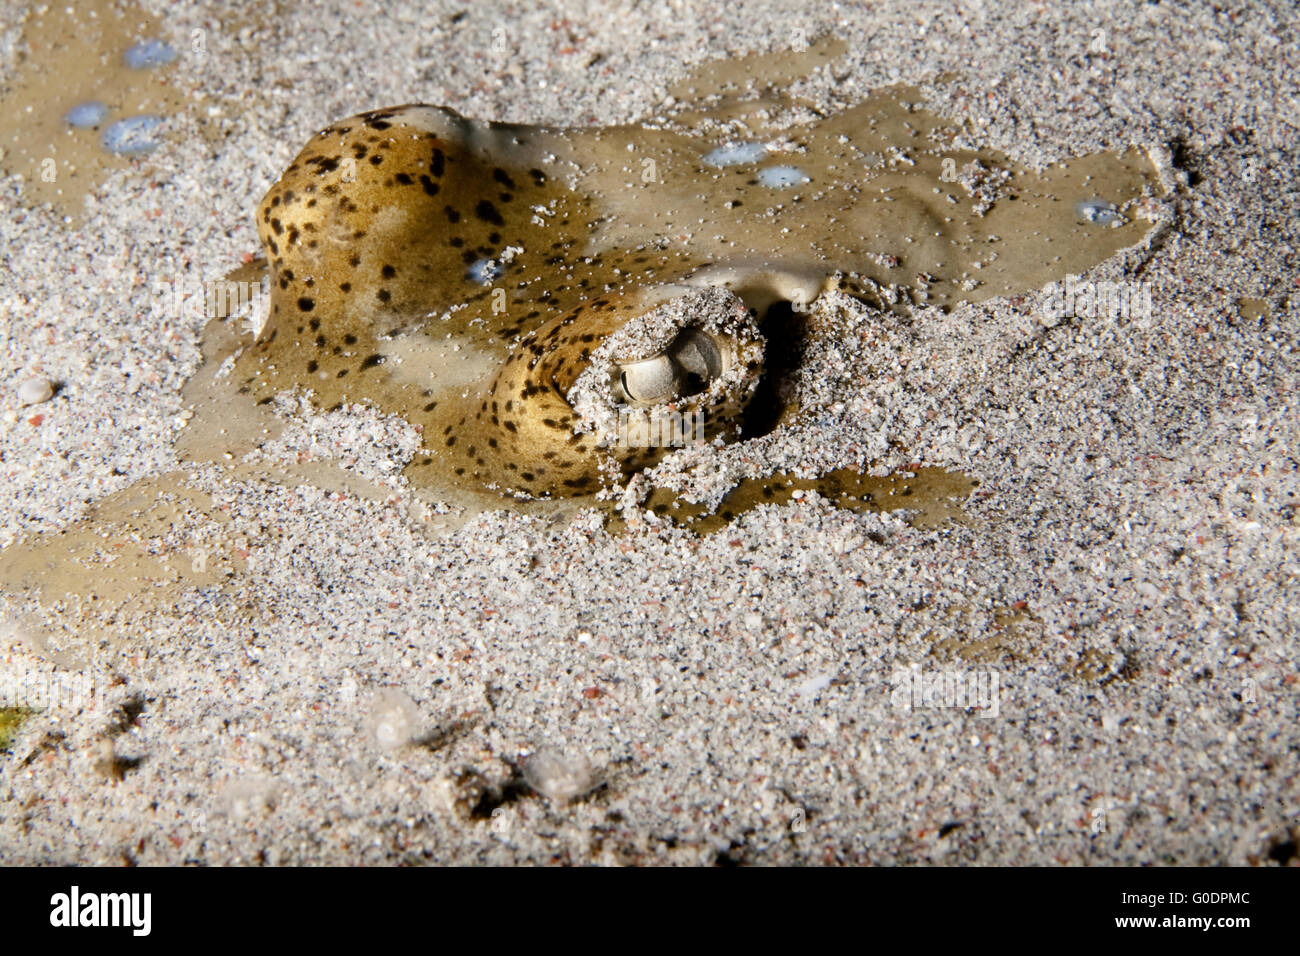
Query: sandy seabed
[[368, 684]]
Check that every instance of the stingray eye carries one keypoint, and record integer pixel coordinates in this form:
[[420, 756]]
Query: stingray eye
[[678, 372], [697, 355], [651, 381], [687, 367]]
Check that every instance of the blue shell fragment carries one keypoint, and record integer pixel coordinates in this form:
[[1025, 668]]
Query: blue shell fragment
[[132, 136], [736, 155], [782, 177], [484, 271], [89, 113], [149, 53]]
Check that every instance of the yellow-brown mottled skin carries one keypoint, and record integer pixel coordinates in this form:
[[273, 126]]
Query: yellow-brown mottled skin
[[528, 247], [366, 231]]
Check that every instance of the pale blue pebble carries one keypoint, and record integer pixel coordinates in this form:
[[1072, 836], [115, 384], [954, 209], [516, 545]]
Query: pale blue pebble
[[736, 155], [484, 271], [132, 136], [149, 53], [782, 177], [1097, 210], [89, 113]]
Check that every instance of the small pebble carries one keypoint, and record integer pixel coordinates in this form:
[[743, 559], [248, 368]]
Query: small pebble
[[393, 719], [132, 136], [34, 391], [815, 685], [149, 53], [250, 796], [558, 777], [90, 113], [1098, 211]]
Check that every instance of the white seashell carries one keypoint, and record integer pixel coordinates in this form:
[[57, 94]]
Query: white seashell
[[35, 390], [558, 777], [393, 719]]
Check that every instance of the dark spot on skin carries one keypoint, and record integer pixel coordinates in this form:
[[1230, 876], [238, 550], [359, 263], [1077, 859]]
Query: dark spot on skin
[[354, 261], [388, 272], [306, 304], [453, 215], [312, 366], [350, 339], [345, 286], [488, 213], [371, 361], [404, 179], [438, 164], [430, 187], [383, 295], [376, 160], [501, 176]]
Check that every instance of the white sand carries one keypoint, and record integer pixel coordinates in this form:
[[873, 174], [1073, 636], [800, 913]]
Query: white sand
[[730, 696]]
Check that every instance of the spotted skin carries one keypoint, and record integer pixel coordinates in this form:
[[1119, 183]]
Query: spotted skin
[[365, 232], [526, 247]]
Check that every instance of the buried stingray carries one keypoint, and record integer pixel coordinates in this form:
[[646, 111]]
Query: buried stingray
[[517, 291]]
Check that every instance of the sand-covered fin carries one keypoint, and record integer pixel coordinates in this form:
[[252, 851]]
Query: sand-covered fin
[[462, 274]]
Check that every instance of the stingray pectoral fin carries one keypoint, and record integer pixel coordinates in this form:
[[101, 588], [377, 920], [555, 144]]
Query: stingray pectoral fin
[[378, 225]]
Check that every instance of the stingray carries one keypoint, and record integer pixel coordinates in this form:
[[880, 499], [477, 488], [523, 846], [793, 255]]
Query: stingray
[[521, 293], [555, 310]]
